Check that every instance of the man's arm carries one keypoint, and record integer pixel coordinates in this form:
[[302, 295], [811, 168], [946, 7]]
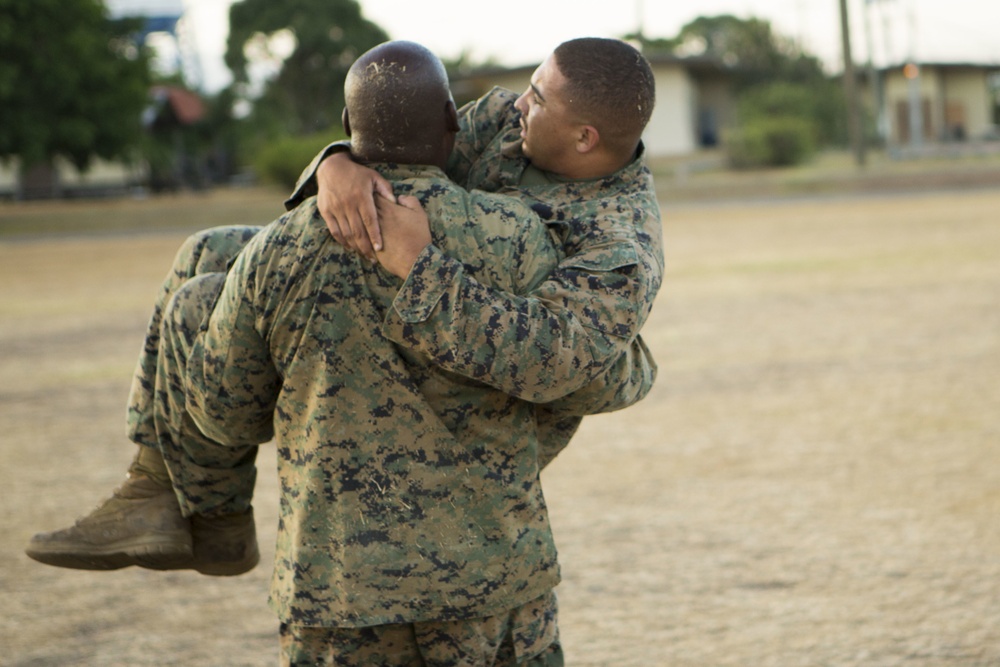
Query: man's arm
[[540, 346], [349, 209], [307, 185], [479, 122], [625, 382]]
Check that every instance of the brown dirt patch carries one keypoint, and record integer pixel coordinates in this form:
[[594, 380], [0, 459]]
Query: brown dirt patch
[[815, 479]]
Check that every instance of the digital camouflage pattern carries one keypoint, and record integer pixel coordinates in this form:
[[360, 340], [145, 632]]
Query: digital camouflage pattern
[[577, 333], [525, 636], [632, 222], [588, 311], [407, 493], [207, 251]]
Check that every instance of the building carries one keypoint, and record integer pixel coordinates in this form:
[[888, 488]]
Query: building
[[951, 102]]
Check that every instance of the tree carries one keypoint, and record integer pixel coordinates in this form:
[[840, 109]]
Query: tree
[[73, 83], [778, 126], [773, 77], [307, 94], [755, 52]]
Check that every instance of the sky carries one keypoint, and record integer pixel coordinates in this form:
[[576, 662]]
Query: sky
[[528, 30]]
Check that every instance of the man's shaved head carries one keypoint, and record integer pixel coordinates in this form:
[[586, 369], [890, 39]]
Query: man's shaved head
[[397, 104]]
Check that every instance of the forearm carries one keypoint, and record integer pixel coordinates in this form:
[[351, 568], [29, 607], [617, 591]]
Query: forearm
[[480, 122], [624, 383], [307, 185], [539, 347]]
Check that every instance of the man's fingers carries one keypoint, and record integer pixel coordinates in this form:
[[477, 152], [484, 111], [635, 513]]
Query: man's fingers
[[410, 202], [359, 241], [384, 188], [333, 226], [369, 216], [350, 233]]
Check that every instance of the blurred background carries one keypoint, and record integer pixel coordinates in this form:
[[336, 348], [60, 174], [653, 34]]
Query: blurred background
[[116, 97], [815, 477]]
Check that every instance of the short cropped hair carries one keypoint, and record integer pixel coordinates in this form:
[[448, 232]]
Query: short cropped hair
[[611, 85], [395, 94]]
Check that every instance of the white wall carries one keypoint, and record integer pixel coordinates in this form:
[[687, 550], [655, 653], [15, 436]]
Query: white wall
[[672, 129]]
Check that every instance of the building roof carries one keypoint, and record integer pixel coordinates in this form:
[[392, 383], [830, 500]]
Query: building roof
[[187, 106], [991, 67]]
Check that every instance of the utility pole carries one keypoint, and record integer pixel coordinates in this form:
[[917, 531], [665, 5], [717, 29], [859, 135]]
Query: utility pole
[[851, 90], [874, 78], [912, 73]]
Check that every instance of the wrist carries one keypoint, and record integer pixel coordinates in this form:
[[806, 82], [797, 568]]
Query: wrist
[[401, 263]]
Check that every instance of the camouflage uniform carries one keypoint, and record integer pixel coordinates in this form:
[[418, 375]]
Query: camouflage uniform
[[579, 351], [599, 297], [584, 318], [506, 639], [408, 493]]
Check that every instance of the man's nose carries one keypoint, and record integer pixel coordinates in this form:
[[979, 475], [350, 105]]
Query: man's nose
[[520, 103]]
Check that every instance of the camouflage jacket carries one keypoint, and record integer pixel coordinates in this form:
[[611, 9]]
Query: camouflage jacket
[[407, 493], [572, 343]]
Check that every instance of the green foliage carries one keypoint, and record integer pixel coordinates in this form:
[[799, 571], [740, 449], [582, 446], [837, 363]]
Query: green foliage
[[72, 82], [307, 95], [777, 99], [281, 162], [771, 141], [820, 103], [750, 47], [778, 126]]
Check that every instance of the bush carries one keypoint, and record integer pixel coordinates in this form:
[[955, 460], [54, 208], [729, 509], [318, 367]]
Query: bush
[[773, 141], [281, 162]]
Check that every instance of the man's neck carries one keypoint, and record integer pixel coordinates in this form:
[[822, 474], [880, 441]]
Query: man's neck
[[367, 153], [593, 166]]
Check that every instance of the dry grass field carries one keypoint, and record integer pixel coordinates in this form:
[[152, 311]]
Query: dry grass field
[[813, 482]]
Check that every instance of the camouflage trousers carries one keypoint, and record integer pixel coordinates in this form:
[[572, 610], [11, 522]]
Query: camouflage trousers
[[526, 636], [222, 479]]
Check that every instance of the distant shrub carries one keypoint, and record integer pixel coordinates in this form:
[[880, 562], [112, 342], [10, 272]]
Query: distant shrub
[[281, 162], [771, 141]]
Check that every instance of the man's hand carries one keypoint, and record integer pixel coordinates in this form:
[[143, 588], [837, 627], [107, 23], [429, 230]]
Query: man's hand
[[346, 200], [406, 231]]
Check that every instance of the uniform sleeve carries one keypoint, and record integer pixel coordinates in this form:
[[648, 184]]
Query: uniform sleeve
[[479, 122], [232, 383], [540, 346], [306, 186], [624, 383]]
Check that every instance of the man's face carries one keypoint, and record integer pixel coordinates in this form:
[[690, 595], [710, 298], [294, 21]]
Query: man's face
[[548, 125]]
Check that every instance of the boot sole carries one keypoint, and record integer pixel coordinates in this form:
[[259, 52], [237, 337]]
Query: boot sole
[[154, 553], [230, 569]]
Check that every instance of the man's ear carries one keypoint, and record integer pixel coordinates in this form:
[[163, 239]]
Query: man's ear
[[587, 138], [451, 116], [346, 122]]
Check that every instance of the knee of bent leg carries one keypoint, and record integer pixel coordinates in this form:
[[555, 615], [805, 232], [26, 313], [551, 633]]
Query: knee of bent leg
[[211, 250], [192, 303]]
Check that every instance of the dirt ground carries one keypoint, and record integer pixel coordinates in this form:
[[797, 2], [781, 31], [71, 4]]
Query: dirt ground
[[814, 481]]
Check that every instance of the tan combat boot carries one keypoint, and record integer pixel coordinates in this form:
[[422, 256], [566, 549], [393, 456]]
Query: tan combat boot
[[140, 524], [225, 545]]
